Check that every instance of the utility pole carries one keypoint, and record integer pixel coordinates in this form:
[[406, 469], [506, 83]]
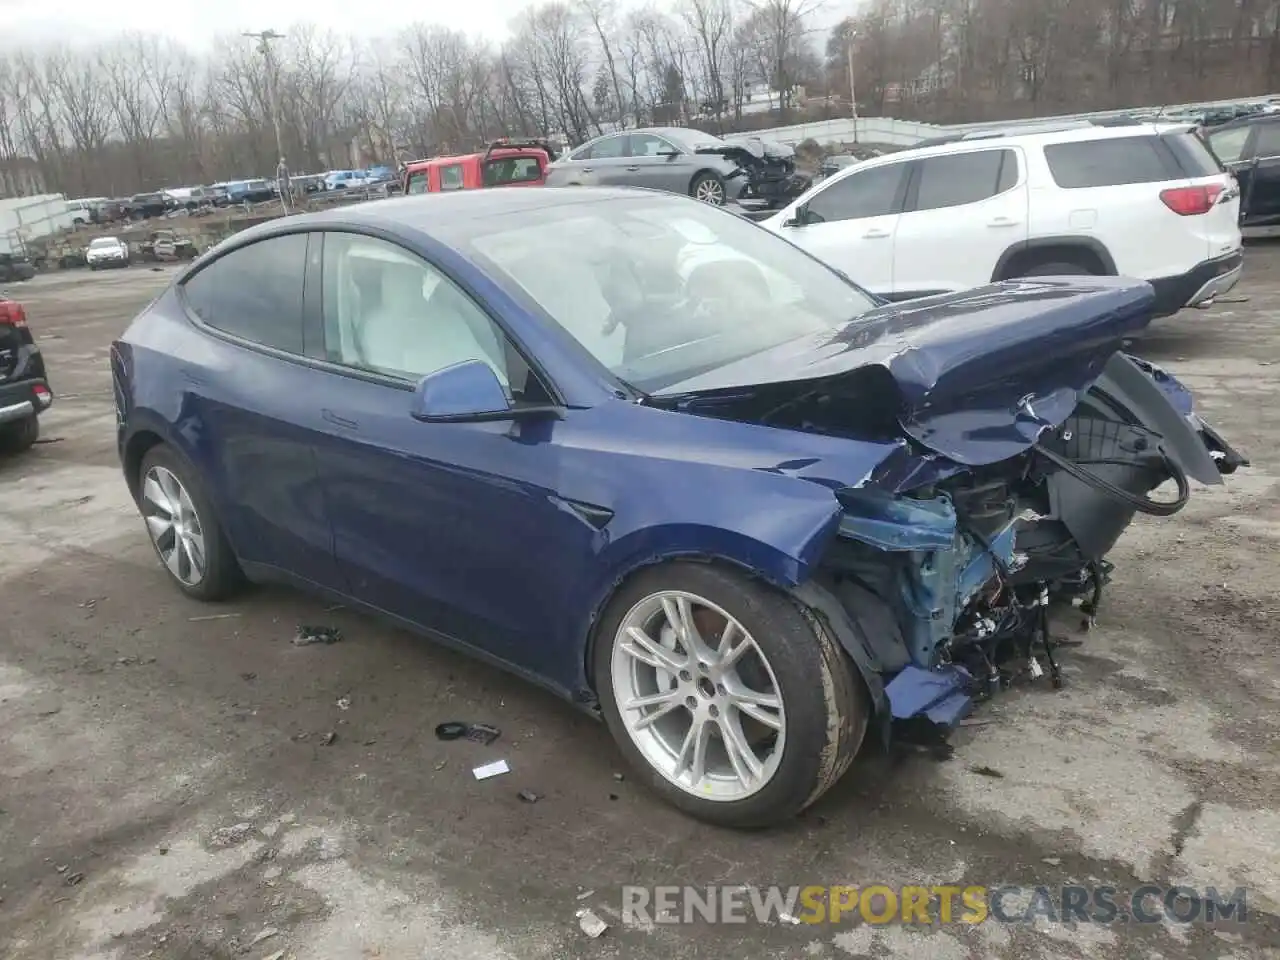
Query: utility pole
[[264, 39], [853, 93]]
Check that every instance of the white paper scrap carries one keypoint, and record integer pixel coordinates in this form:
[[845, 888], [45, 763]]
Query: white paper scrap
[[495, 769]]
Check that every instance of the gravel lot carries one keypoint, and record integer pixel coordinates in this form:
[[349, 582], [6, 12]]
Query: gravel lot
[[133, 728]]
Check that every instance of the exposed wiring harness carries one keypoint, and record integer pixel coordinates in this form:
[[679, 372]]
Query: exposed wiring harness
[[1155, 508]]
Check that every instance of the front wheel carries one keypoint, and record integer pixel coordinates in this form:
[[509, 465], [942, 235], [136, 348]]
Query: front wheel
[[184, 528], [708, 188], [736, 704]]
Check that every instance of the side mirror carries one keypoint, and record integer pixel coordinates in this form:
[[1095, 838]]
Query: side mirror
[[468, 392], [799, 218], [669, 154]]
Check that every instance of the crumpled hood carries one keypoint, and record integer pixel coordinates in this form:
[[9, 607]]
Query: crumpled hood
[[979, 374]]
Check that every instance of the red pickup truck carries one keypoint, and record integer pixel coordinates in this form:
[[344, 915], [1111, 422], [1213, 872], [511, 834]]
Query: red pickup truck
[[505, 163]]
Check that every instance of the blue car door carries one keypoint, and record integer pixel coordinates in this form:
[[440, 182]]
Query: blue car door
[[248, 412], [452, 526]]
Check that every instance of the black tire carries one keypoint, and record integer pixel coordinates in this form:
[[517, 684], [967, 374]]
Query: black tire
[[825, 703], [93, 267], [1059, 268], [222, 578], [20, 436], [709, 188]]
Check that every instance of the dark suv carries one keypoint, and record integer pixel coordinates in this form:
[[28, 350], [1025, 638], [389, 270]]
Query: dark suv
[[1250, 149], [14, 268], [24, 387]]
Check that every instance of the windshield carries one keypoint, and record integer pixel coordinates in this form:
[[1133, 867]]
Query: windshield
[[101, 242], [660, 289]]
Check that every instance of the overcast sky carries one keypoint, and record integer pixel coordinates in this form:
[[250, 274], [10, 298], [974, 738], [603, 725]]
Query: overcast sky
[[196, 22]]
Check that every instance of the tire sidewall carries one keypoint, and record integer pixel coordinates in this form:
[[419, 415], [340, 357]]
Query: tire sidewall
[[1057, 268], [20, 436], [814, 702], [221, 570]]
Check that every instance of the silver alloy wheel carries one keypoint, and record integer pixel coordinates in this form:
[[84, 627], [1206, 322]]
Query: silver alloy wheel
[[709, 190], [174, 525], [698, 697]]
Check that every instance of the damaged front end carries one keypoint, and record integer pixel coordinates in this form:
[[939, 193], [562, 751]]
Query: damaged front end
[[965, 569], [769, 169], [1031, 442]]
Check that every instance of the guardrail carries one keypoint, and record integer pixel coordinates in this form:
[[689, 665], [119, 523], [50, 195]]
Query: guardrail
[[885, 130]]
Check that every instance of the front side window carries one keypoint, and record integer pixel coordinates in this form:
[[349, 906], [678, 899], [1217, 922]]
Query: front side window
[[661, 289], [254, 292], [867, 193], [418, 182], [451, 177], [1268, 142], [389, 312], [647, 145], [956, 179]]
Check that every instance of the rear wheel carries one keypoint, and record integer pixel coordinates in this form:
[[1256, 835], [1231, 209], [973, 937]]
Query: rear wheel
[[736, 704], [1059, 268], [709, 188], [19, 436], [184, 528]]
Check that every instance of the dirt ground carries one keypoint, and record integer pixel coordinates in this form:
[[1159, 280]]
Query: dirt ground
[[166, 789]]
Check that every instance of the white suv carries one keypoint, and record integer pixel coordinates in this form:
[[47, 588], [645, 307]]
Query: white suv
[[1142, 201]]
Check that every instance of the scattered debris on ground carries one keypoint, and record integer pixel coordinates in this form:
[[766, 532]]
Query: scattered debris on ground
[[528, 796], [481, 733], [308, 635], [265, 934], [212, 616], [230, 836], [495, 769], [591, 925]]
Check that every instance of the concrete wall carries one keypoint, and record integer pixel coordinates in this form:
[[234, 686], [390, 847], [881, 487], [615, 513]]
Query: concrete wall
[[24, 219]]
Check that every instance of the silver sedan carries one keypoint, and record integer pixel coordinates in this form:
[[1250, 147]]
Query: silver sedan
[[662, 158]]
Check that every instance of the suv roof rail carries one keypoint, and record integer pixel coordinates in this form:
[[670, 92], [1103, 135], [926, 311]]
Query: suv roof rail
[[1030, 129]]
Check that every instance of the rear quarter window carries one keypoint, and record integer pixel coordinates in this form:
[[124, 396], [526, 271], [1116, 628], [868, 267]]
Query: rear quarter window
[[1192, 155], [1112, 162]]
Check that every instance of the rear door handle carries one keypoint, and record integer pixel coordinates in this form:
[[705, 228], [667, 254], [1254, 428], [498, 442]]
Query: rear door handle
[[875, 235], [1003, 222], [330, 417], [587, 170], [632, 169]]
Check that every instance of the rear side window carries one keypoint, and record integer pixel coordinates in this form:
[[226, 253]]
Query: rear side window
[[960, 178], [1110, 163], [867, 193], [608, 148], [254, 292], [451, 177]]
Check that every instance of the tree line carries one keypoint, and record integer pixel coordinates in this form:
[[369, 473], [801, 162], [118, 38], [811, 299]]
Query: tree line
[[144, 112]]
